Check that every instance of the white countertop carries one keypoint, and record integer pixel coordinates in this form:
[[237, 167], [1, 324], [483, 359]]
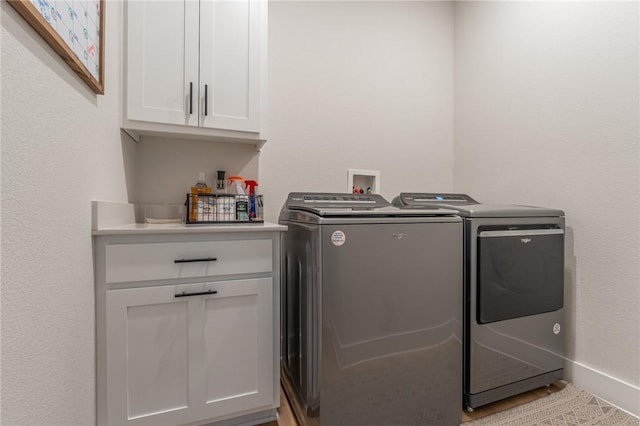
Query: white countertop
[[181, 228], [109, 218]]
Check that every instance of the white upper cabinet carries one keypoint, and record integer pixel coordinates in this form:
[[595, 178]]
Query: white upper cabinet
[[162, 61], [195, 68], [230, 64]]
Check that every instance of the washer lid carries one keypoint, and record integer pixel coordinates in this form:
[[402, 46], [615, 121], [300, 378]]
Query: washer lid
[[354, 205], [468, 207]]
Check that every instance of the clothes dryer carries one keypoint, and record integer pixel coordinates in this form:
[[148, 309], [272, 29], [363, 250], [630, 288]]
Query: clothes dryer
[[371, 311], [513, 292]]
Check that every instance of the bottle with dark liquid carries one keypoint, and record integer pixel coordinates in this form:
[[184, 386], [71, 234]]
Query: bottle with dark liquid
[[196, 212]]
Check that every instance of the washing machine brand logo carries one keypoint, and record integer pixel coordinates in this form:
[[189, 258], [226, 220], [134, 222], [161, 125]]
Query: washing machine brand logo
[[399, 236], [525, 240], [338, 238]]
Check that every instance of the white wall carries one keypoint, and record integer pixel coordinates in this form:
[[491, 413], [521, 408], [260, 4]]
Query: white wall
[[364, 85], [61, 147], [165, 169], [547, 113]]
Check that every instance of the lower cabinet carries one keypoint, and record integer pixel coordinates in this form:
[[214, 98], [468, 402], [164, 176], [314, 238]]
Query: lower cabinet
[[178, 354]]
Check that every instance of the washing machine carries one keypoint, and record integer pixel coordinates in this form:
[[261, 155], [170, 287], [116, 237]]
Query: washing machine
[[513, 295], [371, 313]]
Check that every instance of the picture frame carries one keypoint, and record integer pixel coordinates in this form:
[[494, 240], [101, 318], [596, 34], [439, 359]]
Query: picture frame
[[75, 31]]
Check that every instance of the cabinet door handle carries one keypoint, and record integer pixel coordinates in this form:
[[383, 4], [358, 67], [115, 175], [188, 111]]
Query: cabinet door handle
[[206, 98], [200, 293], [190, 97], [204, 259]]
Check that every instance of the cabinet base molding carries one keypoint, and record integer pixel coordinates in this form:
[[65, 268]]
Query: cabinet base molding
[[260, 418], [141, 129]]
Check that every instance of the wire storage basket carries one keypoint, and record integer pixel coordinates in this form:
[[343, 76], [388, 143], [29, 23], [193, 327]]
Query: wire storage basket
[[224, 208]]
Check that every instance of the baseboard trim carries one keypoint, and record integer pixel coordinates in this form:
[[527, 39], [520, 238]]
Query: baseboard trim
[[616, 392]]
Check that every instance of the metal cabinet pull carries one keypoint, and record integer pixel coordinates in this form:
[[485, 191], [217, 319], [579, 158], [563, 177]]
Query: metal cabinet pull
[[200, 293], [190, 97], [204, 259], [521, 232], [206, 97]]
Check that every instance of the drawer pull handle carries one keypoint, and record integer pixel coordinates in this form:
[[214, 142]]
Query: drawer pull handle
[[204, 259], [183, 294]]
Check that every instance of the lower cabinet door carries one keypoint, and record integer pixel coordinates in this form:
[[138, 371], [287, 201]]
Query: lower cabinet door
[[237, 346], [184, 353]]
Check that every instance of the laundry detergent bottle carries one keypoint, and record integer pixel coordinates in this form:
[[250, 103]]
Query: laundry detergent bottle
[[242, 200]]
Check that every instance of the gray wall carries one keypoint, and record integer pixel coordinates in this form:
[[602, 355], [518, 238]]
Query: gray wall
[[547, 113]]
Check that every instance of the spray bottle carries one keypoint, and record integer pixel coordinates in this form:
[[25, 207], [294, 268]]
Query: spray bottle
[[251, 185], [236, 183]]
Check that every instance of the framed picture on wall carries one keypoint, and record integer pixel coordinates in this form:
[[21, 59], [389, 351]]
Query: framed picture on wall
[[74, 29]]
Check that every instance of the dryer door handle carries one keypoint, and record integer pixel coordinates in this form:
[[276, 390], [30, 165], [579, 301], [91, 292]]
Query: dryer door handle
[[521, 233]]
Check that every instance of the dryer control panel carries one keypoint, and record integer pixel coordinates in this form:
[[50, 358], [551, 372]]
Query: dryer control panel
[[420, 200]]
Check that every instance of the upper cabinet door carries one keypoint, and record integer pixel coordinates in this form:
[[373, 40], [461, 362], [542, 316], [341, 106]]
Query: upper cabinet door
[[231, 55], [162, 61]]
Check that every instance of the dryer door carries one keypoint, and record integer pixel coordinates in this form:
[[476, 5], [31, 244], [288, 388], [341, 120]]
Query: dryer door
[[520, 273]]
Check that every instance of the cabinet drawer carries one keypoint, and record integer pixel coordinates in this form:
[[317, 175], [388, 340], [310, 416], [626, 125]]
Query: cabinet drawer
[[157, 261]]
